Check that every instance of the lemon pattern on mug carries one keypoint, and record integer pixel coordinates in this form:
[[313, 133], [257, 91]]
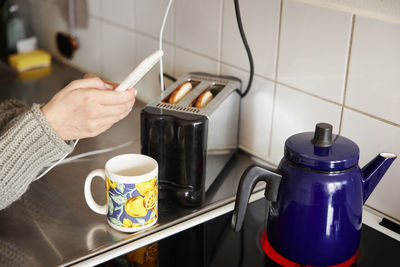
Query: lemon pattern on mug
[[132, 205], [129, 224], [109, 184]]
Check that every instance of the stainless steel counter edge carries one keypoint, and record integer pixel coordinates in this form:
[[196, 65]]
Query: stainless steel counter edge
[[370, 218], [186, 223]]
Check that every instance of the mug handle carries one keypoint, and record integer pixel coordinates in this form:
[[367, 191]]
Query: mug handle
[[88, 193]]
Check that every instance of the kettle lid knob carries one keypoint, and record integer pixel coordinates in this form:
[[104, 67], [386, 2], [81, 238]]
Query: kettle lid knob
[[323, 135], [322, 150]]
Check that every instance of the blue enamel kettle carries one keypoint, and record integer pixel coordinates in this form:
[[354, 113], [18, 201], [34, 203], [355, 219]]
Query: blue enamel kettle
[[316, 197]]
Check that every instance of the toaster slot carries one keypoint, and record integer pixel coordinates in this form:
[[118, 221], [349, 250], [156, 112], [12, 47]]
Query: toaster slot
[[207, 96], [216, 88], [180, 92]]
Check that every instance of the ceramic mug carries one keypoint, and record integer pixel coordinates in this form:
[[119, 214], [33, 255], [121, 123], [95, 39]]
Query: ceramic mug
[[131, 192]]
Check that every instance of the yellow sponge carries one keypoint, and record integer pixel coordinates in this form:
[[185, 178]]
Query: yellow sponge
[[26, 61], [34, 74]]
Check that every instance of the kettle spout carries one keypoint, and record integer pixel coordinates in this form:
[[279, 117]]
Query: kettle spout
[[374, 171]]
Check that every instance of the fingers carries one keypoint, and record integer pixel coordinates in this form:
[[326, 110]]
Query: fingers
[[92, 82], [84, 108], [109, 85], [116, 110], [114, 98], [89, 75], [112, 84], [113, 119]]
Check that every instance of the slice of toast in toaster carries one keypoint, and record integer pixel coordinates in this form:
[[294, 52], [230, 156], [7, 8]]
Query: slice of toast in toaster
[[204, 99], [180, 92]]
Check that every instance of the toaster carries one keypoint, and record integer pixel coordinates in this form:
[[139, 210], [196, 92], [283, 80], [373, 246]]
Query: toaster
[[192, 144]]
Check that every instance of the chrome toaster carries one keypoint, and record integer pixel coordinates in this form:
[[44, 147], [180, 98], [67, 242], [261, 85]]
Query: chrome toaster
[[192, 144]]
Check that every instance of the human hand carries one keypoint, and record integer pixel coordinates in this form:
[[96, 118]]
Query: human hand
[[87, 107]]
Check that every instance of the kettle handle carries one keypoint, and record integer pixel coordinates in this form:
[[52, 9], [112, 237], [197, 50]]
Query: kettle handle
[[248, 181]]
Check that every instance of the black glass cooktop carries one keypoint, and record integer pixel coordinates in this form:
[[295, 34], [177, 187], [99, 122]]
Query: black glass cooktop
[[213, 244]]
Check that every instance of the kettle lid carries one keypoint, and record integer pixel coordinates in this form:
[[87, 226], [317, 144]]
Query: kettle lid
[[321, 150]]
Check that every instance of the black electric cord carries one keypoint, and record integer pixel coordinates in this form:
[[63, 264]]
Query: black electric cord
[[242, 247], [169, 77], [246, 45]]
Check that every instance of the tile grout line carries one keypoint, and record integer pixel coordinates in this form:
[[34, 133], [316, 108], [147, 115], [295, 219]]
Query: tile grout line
[[324, 99], [374, 117], [102, 41], [144, 34], [134, 37], [278, 43], [383, 213], [346, 77], [220, 39], [155, 38], [341, 105], [308, 93], [246, 70], [174, 38], [257, 75], [256, 155], [134, 19], [129, 29]]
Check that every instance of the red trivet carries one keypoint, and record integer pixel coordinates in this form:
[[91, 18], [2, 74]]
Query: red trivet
[[276, 257]]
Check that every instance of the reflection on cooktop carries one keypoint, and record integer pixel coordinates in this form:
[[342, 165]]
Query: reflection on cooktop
[[214, 244]]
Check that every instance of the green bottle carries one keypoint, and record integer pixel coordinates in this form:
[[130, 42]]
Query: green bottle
[[15, 28]]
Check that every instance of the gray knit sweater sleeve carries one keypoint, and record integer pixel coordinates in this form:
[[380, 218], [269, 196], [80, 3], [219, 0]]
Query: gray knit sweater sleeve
[[27, 144]]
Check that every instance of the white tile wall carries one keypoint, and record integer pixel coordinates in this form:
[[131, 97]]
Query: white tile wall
[[374, 73], [255, 15], [313, 49], [50, 13], [118, 52], [145, 46], [149, 16], [89, 56], [296, 112], [35, 11], [197, 26], [149, 87], [256, 113], [120, 12], [373, 137], [186, 62], [94, 7]]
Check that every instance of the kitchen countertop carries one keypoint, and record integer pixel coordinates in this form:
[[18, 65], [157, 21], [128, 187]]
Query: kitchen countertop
[[52, 225]]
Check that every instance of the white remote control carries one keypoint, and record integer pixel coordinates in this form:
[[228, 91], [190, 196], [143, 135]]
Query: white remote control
[[140, 71]]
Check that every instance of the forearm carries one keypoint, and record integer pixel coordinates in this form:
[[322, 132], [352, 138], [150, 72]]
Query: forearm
[[26, 146]]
